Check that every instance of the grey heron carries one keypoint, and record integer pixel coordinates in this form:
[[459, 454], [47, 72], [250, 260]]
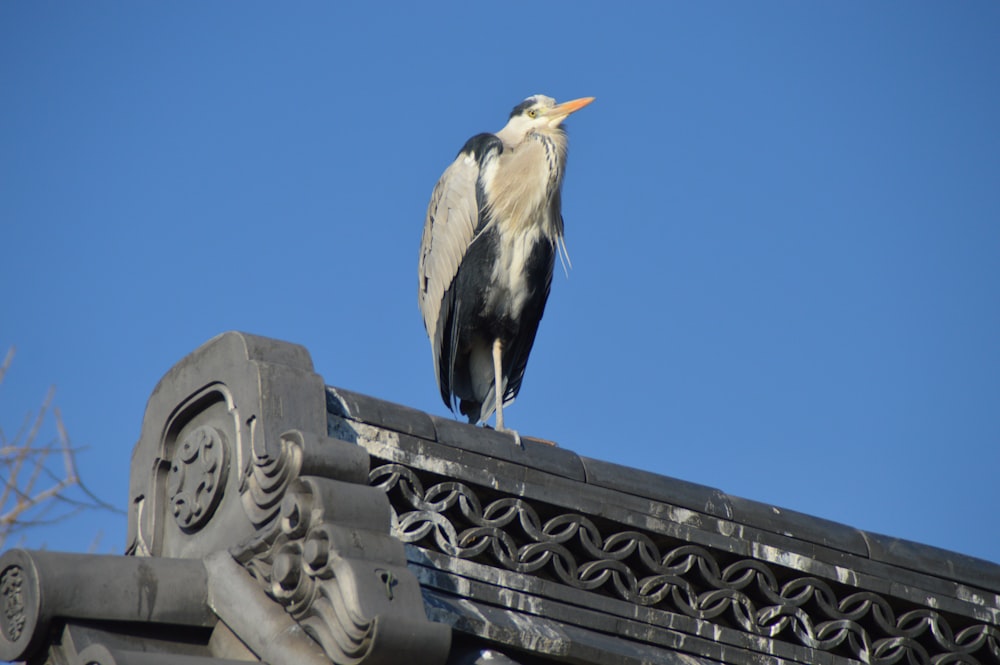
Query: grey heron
[[494, 225]]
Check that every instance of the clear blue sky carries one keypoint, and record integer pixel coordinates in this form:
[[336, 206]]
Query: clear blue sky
[[784, 221]]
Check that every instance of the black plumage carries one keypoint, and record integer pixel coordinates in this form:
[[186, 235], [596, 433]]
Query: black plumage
[[477, 311]]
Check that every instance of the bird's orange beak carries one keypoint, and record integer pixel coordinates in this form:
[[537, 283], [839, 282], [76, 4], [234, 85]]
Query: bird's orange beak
[[564, 109]]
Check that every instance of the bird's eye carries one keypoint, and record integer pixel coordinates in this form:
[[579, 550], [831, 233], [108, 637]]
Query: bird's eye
[[532, 113]]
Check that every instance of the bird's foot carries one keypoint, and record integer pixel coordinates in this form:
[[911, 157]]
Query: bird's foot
[[512, 432]]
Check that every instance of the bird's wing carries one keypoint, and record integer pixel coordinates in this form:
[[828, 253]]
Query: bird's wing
[[453, 217], [541, 264]]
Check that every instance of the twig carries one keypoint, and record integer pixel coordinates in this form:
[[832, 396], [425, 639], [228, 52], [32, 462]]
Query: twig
[[37, 490], [7, 360]]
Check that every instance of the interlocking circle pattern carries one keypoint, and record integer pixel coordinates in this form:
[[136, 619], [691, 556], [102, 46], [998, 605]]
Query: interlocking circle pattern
[[746, 594]]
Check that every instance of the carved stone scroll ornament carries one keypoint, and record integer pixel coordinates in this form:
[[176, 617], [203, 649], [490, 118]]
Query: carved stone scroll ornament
[[653, 571], [269, 478], [334, 567], [299, 453]]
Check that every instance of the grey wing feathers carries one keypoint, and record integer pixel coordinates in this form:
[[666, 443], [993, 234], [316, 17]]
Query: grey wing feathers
[[452, 217]]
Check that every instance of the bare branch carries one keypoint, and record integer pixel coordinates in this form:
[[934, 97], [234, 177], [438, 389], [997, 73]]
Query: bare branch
[[7, 360], [37, 490]]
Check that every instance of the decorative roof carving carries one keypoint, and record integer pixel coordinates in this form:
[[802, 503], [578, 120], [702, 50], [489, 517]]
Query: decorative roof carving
[[235, 438], [197, 476], [338, 572], [278, 519], [648, 569]]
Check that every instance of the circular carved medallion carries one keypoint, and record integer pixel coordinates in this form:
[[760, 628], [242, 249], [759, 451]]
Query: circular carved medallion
[[197, 477], [12, 612]]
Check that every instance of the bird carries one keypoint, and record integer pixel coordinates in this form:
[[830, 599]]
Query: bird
[[493, 228]]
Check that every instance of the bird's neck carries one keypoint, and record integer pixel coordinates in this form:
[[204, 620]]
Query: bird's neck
[[524, 181]]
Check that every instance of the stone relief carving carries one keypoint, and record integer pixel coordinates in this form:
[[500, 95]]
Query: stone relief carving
[[197, 476], [13, 613], [264, 486], [650, 570], [339, 575], [315, 535]]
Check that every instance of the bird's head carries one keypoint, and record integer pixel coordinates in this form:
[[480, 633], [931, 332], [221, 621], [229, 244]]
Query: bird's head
[[539, 113]]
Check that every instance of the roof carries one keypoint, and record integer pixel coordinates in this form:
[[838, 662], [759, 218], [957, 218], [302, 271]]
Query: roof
[[275, 518]]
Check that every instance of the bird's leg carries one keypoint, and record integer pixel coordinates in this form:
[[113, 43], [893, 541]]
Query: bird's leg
[[498, 390], [498, 380]]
